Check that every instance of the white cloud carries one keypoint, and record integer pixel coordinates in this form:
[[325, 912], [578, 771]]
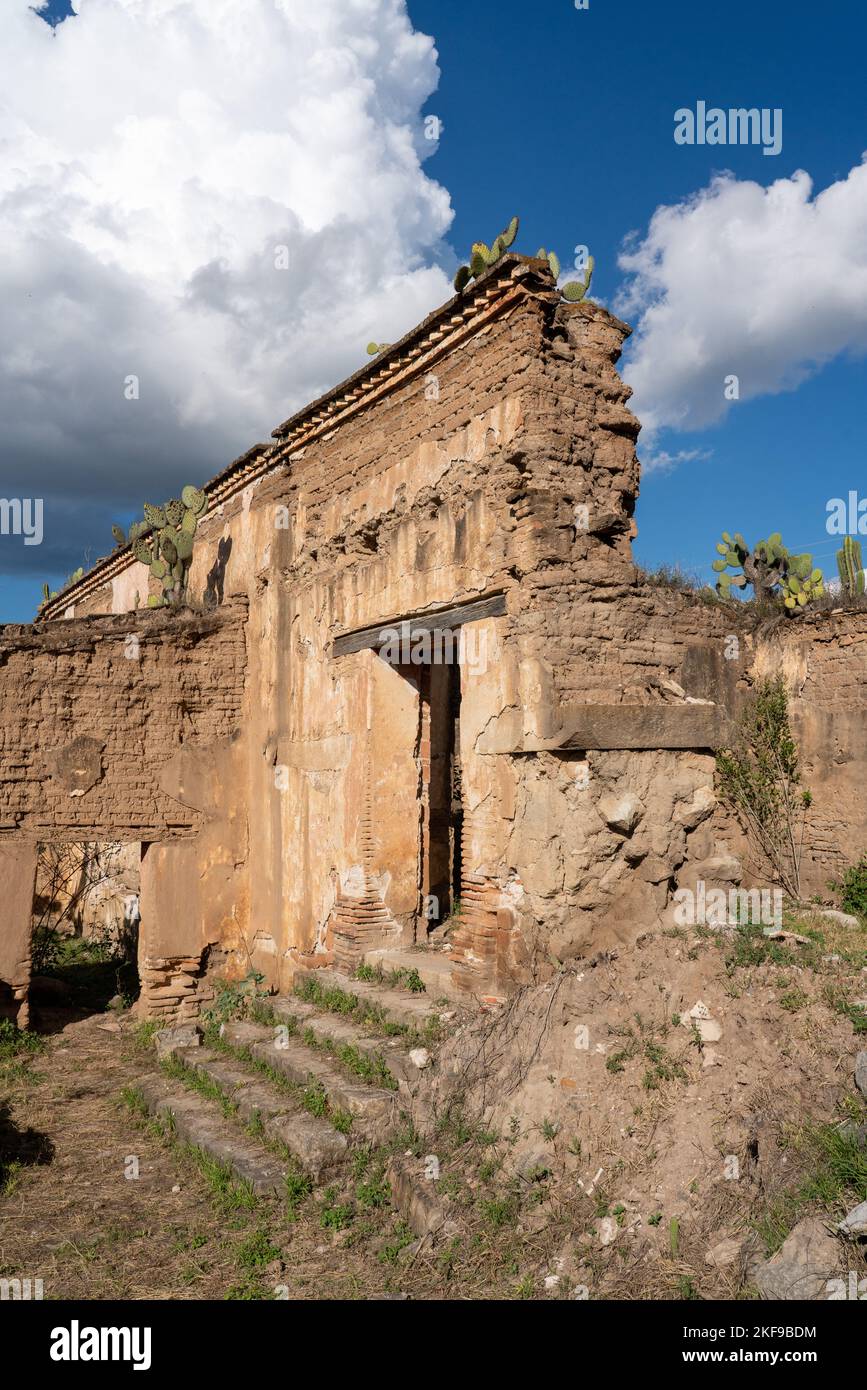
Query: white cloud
[[153, 156], [655, 460], [767, 284]]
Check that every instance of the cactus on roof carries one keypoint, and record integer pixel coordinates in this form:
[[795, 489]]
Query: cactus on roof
[[164, 542]]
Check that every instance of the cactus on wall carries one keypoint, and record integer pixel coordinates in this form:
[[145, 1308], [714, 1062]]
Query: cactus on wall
[[482, 257], [773, 572], [575, 290], [168, 553], [850, 568], [48, 593]]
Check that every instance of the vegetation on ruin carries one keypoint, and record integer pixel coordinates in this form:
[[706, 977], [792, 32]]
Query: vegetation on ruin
[[850, 567], [48, 593], [773, 572], [759, 779], [164, 542], [482, 257], [852, 887]]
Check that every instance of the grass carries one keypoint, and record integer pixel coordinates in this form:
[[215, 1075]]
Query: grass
[[833, 1178], [199, 1082], [364, 1012], [92, 973], [18, 1047], [334, 1215], [399, 978], [257, 1250], [370, 1067]]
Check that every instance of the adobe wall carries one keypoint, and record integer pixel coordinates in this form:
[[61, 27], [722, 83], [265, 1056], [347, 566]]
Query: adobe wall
[[103, 723], [502, 466], [717, 653], [489, 458]]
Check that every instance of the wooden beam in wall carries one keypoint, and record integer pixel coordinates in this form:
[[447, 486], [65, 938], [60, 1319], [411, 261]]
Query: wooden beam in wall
[[445, 619]]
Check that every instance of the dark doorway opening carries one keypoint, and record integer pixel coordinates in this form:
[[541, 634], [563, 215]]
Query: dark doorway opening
[[443, 813]]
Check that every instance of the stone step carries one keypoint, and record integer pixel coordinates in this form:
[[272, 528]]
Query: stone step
[[311, 1139], [434, 969], [340, 1031], [372, 1108], [415, 1195], [197, 1121], [399, 1006]]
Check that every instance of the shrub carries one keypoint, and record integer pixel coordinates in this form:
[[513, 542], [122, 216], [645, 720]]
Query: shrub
[[852, 887], [760, 779]]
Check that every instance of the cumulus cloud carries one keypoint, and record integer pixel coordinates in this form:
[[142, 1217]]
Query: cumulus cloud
[[224, 200], [766, 284]]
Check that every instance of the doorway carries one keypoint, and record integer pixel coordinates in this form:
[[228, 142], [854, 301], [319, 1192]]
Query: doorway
[[442, 807]]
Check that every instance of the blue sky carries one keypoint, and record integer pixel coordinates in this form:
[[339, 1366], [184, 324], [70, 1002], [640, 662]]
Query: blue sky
[[566, 117]]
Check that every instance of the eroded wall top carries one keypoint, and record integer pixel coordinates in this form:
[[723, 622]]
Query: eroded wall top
[[94, 711]]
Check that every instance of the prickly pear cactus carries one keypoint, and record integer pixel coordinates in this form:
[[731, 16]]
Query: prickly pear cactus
[[195, 500], [482, 256], [575, 290], [850, 568], [164, 542], [772, 571]]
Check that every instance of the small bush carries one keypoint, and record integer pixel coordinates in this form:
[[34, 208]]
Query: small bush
[[852, 888]]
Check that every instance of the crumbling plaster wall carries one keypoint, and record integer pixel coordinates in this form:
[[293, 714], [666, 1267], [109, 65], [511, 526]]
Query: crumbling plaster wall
[[508, 467], [102, 721]]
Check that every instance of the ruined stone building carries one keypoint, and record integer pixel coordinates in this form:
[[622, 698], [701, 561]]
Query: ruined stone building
[[419, 680]]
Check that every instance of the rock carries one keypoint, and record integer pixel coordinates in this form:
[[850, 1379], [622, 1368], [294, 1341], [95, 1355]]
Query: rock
[[109, 1025], [861, 1072], [117, 1002], [858, 1133], [552, 1281], [855, 1223], [718, 870], [420, 1057], [789, 937], [621, 813], [711, 1058], [185, 1035], [725, 1252], [691, 814], [606, 1229], [802, 1267], [415, 1197], [845, 919], [699, 1018]]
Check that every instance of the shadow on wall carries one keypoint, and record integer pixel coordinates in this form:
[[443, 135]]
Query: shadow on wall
[[217, 574]]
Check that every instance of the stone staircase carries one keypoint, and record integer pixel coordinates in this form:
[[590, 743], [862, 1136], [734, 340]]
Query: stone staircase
[[287, 1097]]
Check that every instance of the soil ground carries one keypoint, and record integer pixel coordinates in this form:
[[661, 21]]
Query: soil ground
[[72, 1136]]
